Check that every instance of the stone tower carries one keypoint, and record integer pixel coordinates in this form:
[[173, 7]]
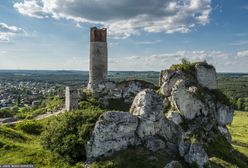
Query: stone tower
[[98, 68], [71, 98]]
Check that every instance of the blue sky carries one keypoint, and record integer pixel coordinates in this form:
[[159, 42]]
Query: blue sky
[[142, 35]]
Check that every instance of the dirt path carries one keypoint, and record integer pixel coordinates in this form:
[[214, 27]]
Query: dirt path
[[39, 117]]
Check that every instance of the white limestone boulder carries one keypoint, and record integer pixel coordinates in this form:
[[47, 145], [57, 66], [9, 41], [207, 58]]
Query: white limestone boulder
[[206, 75], [186, 102], [154, 143], [174, 164], [168, 79], [170, 131], [114, 131], [148, 107], [225, 132], [175, 117], [224, 114], [197, 155]]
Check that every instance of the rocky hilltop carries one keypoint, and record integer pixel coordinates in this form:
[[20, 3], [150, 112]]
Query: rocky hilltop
[[183, 117]]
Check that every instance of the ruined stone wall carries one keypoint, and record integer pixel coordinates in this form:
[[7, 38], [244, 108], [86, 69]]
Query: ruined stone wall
[[98, 67], [71, 99]]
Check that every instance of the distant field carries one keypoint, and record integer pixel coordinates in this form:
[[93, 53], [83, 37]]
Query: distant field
[[239, 131], [234, 85]]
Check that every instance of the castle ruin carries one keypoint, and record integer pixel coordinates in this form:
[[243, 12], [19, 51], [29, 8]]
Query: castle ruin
[[71, 98], [98, 66]]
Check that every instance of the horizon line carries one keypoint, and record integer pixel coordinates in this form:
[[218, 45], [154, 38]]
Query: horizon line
[[108, 70]]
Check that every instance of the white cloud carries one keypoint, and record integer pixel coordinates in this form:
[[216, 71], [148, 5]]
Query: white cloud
[[124, 17], [148, 42], [223, 61], [31, 8], [242, 53], [8, 31], [239, 43]]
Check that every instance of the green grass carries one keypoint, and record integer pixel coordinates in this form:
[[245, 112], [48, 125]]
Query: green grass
[[219, 163], [225, 155], [19, 147], [239, 131], [239, 128]]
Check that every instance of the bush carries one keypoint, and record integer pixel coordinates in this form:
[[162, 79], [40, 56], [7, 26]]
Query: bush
[[68, 133], [221, 97], [5, 113], [30, 127], [85, 105], [185, 65]]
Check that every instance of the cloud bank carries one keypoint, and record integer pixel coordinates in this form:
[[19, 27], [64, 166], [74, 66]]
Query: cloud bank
[[6, 32], [243, 53], [223, 61], [124, 18]]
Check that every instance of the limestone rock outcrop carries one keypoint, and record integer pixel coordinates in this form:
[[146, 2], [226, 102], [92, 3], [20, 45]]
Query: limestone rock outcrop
[[225, 132], [174, 164], [185, 101], [206, 75], [197, 106], [154, 143], [148, 107], [175, 117], [168, 79], [224, 114], [193, 153], [144, 124], [190, 94], [197, 154], [114, 131], [186, 114]]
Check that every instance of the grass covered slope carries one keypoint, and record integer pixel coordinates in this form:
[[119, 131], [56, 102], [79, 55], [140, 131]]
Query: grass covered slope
[[223, 155], [239, 131], [20, 145]]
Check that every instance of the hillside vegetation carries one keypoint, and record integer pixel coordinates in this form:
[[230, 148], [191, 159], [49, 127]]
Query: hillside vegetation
[[23, 143]]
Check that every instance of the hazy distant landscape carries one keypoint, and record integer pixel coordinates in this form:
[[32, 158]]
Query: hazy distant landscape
[[123, 84], [234, 85]]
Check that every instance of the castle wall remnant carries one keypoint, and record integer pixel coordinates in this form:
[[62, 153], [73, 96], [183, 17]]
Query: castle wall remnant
[[71, 98], [98, 67]]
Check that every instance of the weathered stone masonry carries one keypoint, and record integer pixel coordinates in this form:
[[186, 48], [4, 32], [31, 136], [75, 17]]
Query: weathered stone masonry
[[71, 98], [98, 68]]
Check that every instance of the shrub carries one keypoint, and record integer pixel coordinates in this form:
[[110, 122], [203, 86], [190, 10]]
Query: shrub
[[68, 133], [30, 127], [185, 65], [85, 105], [4, 113]]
